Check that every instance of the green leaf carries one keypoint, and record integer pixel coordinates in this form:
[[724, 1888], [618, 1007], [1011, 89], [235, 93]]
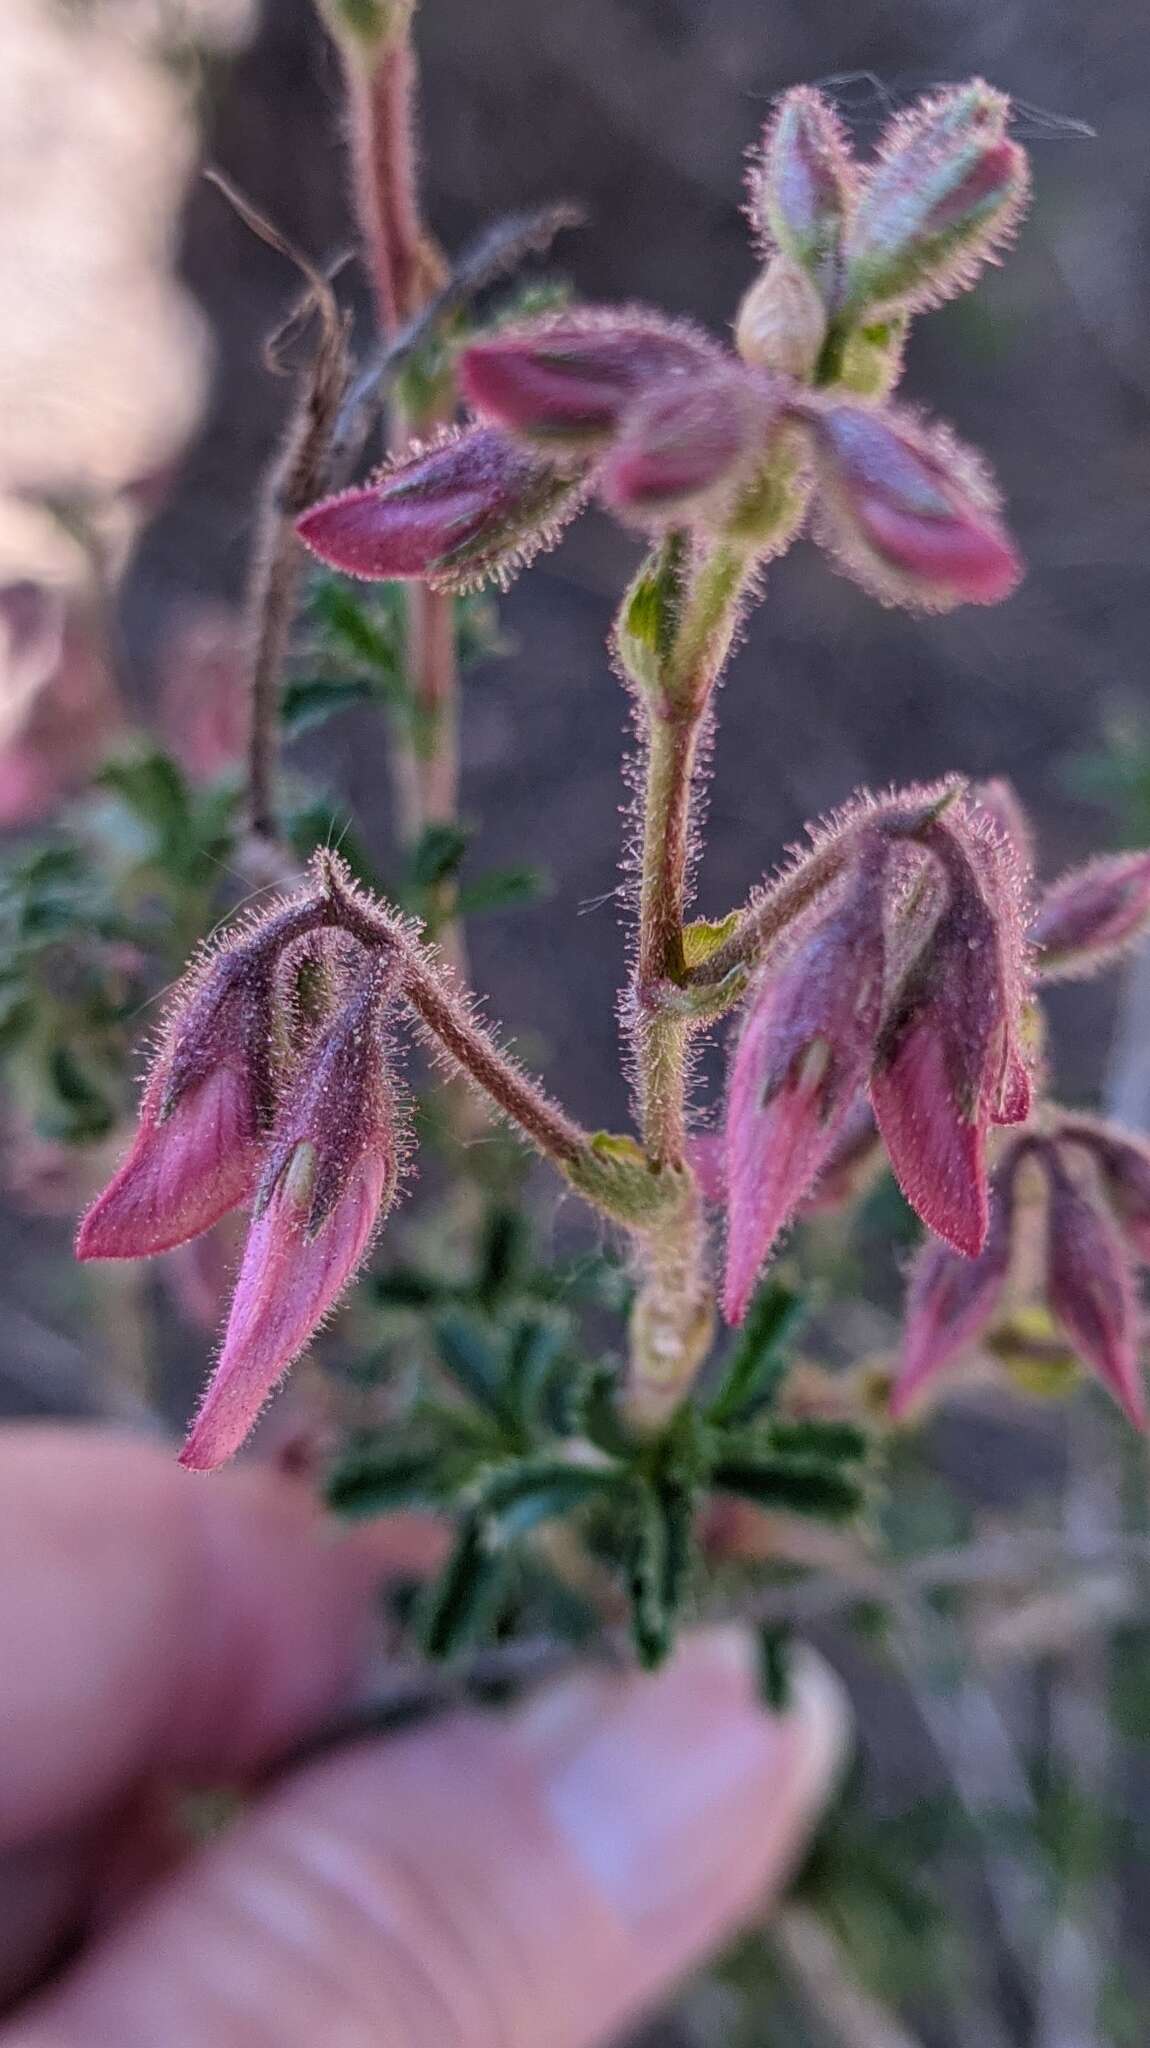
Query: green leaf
[[757, 1364], [369, 630], [595, 1411], [377, 1479], [534, 1350], [796, 1486], [705, 936], [503, 889], [461, 1607], [660, 1558], [407, 1287], [312, 700], [810, 1437], [649, 616], [520, 1496], [437, 855], [504, 1253], [467, 1353], [775, 1666]]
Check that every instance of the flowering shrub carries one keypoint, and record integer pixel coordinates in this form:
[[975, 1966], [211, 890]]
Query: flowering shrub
[[881, 991]]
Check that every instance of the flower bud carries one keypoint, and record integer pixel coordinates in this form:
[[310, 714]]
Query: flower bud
[[1000, 801], [470, 506], [1123, 1163], [203, 1119], [333, 1168], [1092, 916], [799, 1065], [782, 322], [910, 514], [952, 1300], [1090, 1288], [950, 1058], [947, 190], [685, 447], [851, 1165], [568, 381], [801, 188]]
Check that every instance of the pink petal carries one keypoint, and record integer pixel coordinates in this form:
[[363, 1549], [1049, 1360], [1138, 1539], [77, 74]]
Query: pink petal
[[950, 1302], [287, 1284], [1090, 1288], [938, 1154], [181, 1174]]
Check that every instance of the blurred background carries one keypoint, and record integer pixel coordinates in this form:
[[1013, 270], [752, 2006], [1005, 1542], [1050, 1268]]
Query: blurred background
[[132, 371]]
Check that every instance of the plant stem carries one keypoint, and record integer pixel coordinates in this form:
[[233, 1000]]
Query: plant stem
[[673, 1317]]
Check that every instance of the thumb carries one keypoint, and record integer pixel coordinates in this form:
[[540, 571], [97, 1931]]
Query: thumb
[[529, 1882]]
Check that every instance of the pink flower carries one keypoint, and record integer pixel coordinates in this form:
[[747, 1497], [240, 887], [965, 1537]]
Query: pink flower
[[802, 1057], [569, 381], [1123, 1161], [289, 1281], [678, 449], [472, 505], [184, 1171], [333, 1166], [802, 188], [952, 1300], [1090, 1288], [910, 514], [1092, 916], [949, 1060]]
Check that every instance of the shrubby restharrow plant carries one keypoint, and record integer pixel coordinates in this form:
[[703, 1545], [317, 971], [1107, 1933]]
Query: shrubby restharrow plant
[[880, 990]]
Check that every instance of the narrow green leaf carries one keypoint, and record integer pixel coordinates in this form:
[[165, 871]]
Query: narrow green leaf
[[533, 1490], [312, 700], [468, 1355], [504, 1253], [437, 855], [810, 1437], [461, 1606], [407, 1287], [757, 1363], [796, 1486], [368, 630], [376, 1480], [503, 889], [660, 1558], [534, 1351]]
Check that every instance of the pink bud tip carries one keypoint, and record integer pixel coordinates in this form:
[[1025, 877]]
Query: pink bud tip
[[473, 505], [909, 514], [1091, 1291], [938, 1153], [1089, 918], [683, 442], [181, 1175], [288, 1282], [571, 378], [799, 1065], [950, 1302]]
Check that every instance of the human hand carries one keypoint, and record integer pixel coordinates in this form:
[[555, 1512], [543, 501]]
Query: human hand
[[530, 1880]]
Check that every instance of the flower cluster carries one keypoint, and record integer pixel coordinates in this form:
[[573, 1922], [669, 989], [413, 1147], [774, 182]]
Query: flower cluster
[[669, 429], [270, 1087], [906, 977]]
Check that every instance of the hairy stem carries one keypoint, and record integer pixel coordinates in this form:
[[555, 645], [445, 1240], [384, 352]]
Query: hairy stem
[[673, 1317]]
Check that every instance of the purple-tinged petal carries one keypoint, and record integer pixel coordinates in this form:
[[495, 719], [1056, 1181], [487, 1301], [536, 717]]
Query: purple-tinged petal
[[908, 512], [471, 506], [289, 1280], [1090, 1288], [1092, 916], [182, 1174], [568, 381], [951, 1301]]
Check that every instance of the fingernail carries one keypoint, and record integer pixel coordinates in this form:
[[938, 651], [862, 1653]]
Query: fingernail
[[651, 1780]]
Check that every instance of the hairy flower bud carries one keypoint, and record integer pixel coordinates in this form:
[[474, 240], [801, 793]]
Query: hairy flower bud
[[782, 323], [909, 513], [1090, 1288], [950, 1058], [952, 1300], [947, 190], [470, 506], [801, 1059], [567, 381], [1092, 916], [332, 1169], [801, 187], [1000, 801], [204, 1115], [686, 447], [1123, 1163]]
